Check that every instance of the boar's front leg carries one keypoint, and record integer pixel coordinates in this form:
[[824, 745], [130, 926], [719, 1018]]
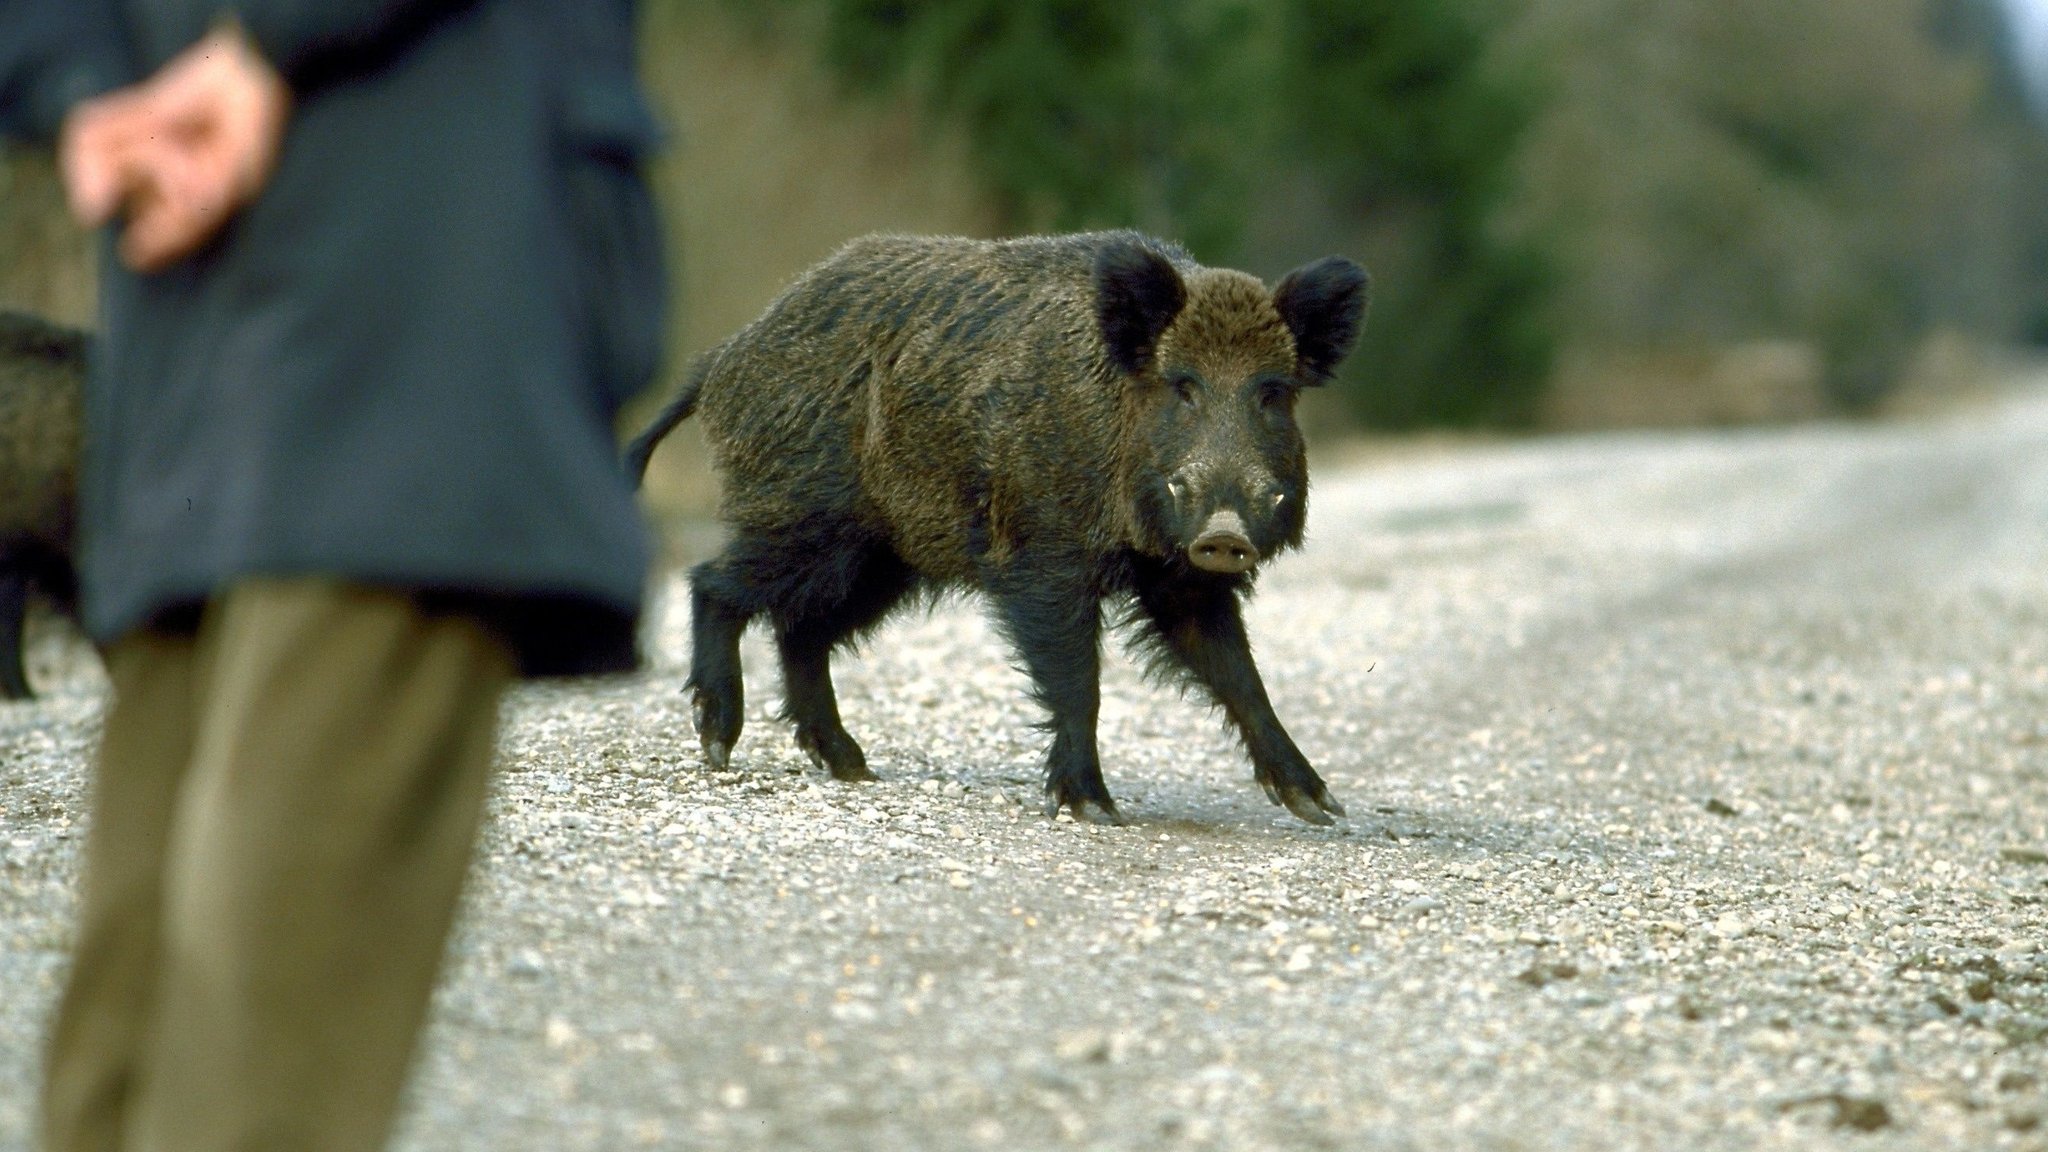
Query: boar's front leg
[[1056, 627], [1198, 629]]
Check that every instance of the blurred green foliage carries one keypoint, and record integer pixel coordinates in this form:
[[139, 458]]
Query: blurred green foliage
[[1081, 113], [1175, 117], [1397, 107]]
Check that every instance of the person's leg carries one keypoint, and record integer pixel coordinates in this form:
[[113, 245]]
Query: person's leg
[[338, 778], [101, 1022]]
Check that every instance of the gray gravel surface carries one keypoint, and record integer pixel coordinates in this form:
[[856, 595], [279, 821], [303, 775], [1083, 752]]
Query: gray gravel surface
[[1699, 799]]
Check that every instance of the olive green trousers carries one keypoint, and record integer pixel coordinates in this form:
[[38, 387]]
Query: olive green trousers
[[283, 810]]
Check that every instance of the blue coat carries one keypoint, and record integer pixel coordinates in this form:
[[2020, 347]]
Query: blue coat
[[401, 364]]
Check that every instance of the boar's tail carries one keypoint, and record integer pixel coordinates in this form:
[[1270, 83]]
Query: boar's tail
[[637, 453]]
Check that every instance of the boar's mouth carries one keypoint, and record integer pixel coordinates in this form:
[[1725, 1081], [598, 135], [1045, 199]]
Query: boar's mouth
[[1223, 545]]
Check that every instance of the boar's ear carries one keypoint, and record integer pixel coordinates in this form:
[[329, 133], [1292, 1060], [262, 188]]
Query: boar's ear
[[1324, 306], [1137, 294]]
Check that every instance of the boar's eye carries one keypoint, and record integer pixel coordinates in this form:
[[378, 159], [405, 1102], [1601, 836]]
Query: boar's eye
[[1274, 393], [1185, 386]]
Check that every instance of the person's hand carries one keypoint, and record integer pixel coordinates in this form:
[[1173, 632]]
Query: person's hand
[[178, 154]]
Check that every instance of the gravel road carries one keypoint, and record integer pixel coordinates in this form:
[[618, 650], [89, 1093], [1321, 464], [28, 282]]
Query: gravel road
[[1699, 800]]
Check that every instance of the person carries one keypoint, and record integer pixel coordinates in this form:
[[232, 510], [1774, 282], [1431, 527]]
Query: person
[[379, 274]]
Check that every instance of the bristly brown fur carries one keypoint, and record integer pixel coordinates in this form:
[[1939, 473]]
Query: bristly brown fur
[[1050, 420]]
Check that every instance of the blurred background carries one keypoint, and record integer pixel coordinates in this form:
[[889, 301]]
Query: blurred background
[[1578, 213]]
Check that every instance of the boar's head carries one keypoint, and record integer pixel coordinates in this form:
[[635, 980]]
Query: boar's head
[[1213, 466]]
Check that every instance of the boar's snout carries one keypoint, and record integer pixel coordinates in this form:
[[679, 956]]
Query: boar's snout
[[1222, 545]]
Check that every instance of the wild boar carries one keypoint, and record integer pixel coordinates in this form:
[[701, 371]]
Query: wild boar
[[1057, 422]]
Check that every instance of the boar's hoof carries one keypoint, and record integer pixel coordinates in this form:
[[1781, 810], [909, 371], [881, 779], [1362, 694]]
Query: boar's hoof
[[1311, 810], [1086, 811], [1223, 546], [836, 753], [718, 726], [1313, 803]]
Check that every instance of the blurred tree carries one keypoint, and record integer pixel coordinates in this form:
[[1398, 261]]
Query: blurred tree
[[1398, 108], [1720, 170], [1082, 113]]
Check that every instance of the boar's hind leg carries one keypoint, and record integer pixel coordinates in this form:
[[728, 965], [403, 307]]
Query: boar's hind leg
[[1197, 628], [722, 600], [13, 611], [1057, 632], [878, 582]]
